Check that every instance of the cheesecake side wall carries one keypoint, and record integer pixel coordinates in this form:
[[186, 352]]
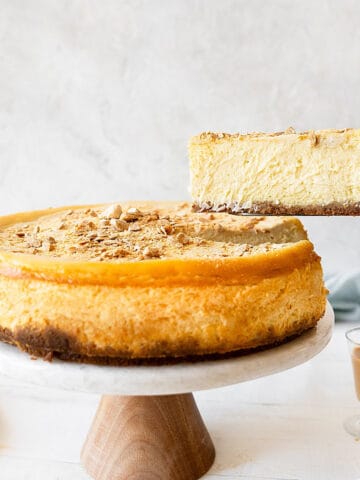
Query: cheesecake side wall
[[147, 322]]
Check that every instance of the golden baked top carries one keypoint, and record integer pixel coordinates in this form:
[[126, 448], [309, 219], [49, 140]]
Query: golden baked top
[[149, 243], [139, 231]]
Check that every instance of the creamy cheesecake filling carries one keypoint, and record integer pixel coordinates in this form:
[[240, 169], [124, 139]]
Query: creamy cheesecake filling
[[312, 168]]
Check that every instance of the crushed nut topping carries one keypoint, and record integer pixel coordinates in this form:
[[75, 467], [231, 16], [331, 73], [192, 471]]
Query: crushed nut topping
[[133, 233]]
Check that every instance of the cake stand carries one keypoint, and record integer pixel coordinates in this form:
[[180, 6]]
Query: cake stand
[[147, 426]]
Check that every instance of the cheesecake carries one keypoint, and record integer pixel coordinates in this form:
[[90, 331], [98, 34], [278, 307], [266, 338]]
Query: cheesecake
[[154, 282], [285, 173]]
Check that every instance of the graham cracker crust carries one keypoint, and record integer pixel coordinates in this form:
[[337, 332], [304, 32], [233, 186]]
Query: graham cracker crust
[[269, 208], [51, 343]]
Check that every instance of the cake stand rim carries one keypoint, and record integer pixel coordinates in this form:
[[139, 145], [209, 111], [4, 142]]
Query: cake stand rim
[[166, 379]]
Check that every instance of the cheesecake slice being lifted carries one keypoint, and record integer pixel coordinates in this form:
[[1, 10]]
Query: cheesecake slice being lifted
[[286, 173]]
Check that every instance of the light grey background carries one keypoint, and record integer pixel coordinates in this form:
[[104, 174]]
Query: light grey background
[[98, 98]]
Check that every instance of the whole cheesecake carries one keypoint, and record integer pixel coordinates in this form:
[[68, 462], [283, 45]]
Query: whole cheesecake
[[147, 282], [285, 173]]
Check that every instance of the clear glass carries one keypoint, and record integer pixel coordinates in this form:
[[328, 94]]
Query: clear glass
[[352, 424]]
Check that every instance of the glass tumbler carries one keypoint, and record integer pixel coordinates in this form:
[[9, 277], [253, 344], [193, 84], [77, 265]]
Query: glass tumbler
[[352, 424]]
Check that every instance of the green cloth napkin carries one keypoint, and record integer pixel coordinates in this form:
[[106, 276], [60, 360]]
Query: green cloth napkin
[[345, 295]]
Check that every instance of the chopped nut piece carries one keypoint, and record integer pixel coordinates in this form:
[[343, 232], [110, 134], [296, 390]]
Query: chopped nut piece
[[48, 245], [313, 138], [132, 210], [162, 231], [182, 238], [32, 241], [220, 208], [152, 217], [120, 252], [48, 357], [83, 242], [131, 215], [85, 225], [201, 241], [104, 223], [62, 226], [91, 212], [109, 243], [120, 225], [113, 211], [290, 130], [134, 228], [151, 252], [105, 255], [20, 234], [165, 227]]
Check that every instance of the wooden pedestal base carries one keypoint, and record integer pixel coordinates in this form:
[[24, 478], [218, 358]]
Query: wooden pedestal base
[[148, 438]]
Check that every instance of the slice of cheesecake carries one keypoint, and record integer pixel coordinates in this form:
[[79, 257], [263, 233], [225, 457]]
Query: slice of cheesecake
[[308, 173]]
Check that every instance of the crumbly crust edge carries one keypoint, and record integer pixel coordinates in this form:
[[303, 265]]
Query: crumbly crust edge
[[53, 343], [270, 208]]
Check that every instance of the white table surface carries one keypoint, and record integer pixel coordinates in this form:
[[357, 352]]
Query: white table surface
[[284, 427]]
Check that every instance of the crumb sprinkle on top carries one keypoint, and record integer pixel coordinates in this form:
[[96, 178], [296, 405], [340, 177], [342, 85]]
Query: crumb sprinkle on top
[[143, 231]]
